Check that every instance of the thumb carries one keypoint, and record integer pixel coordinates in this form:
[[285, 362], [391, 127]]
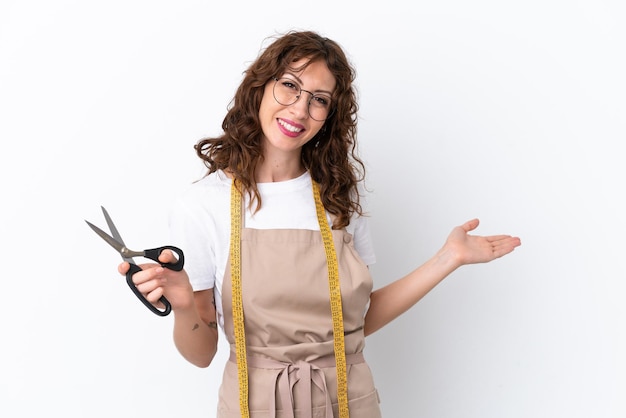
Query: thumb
[[167, 256], [470, 225], [123, 267]]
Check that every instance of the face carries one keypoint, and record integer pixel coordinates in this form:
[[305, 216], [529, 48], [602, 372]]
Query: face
[[287, 128]]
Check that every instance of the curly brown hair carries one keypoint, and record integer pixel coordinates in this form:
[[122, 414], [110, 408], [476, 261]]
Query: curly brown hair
[[330, 156]]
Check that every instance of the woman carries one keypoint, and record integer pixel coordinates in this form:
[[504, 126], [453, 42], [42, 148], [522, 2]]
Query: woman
[[277, 247]]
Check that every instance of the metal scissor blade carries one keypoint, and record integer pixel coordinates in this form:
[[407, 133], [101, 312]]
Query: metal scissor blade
[[111, 225], [115, 232], [119, 247]]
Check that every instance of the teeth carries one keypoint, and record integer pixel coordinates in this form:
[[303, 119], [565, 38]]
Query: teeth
[[289, 127]]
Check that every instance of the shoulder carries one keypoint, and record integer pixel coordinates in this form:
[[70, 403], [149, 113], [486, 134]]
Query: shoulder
[[216, 182], [207, 196]]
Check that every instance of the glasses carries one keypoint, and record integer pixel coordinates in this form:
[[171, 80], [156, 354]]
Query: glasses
[[287, 92]]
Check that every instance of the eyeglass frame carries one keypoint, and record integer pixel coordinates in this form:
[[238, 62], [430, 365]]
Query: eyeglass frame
[[308, 107]]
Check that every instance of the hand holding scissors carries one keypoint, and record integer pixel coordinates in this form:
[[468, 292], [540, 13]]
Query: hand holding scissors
[[116, 242]]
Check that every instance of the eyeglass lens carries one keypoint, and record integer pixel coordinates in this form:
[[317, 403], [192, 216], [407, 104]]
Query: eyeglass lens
[[287, 92]]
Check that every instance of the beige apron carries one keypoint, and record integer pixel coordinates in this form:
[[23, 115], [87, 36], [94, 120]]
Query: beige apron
[[288, 324]]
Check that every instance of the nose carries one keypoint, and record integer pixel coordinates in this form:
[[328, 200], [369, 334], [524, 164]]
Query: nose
[[300, 108]]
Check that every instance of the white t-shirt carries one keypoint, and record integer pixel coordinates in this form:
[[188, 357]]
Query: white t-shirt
[[200, 224]]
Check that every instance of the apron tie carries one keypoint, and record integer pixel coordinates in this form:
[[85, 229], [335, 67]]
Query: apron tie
[[308, 372]]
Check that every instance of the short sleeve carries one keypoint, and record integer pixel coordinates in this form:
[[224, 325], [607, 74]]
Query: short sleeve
[[359, 228], [191, 233]]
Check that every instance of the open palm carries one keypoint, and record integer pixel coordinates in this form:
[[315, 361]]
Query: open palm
[[471, 249]]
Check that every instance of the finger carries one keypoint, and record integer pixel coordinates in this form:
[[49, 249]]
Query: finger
[[154, 296], [504, 240], [502, 250], [495, 238], [505, 246], [148, 273], [167, 256], [470, 225], [149, 284], [123, 267]]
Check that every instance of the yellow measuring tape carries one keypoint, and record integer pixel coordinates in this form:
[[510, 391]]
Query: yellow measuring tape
[[235, 273], [335, 302], [335, 305]]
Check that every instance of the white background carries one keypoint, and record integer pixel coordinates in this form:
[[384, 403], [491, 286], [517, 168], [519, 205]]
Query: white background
[[513, 112]]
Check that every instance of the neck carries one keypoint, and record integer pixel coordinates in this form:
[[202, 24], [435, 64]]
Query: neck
[[270, 172], [279, 167]]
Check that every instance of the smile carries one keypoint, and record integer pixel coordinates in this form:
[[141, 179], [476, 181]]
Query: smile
[[289, 127]]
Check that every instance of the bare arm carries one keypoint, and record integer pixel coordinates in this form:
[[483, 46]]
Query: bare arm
[[195, 324], [195, 329], [389, 302]]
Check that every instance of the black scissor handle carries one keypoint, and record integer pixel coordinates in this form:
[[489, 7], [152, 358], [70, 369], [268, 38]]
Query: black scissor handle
[[154, 253], [129, 279]]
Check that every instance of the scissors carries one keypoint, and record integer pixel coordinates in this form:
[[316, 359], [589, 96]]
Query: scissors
[[127, 254]]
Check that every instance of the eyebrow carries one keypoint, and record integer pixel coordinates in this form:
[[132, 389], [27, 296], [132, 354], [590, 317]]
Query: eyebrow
[[330, 93]]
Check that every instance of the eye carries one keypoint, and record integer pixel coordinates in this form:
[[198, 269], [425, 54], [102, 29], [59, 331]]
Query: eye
[[290, 85], [321, 100]]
